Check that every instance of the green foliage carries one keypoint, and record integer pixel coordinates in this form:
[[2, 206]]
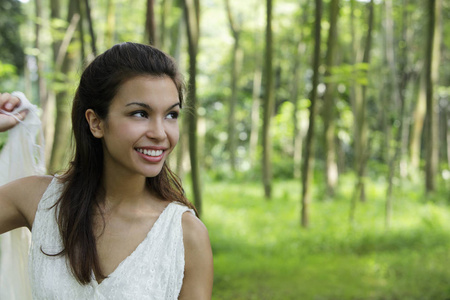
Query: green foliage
[[261, 252], [7, 70], [8, 80], [10, 40], [349, 74], [8, 77]]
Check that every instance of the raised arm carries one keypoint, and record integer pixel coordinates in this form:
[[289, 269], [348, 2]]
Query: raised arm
[[198, 276], [18, 199]]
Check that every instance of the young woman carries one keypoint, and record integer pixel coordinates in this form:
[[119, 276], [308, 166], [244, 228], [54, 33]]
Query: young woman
[[117, 224]]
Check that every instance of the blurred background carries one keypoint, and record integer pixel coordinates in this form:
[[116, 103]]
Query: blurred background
[[315, 140]]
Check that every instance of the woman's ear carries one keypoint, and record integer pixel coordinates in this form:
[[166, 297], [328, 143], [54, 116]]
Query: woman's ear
[[95, 123]]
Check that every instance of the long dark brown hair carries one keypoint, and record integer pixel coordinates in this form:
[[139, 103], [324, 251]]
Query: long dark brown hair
[[81, 192]]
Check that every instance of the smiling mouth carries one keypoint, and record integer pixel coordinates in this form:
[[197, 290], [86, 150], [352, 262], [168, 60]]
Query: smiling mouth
[[153, 153]]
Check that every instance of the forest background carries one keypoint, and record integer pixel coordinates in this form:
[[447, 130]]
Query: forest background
[[316, 137]]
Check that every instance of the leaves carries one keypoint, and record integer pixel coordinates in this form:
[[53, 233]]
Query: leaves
[[349, 74]]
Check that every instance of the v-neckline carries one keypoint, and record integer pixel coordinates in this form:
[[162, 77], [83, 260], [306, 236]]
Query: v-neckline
[[124, 261]]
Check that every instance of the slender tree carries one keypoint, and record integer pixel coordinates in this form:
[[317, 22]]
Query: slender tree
[[82, 13], [417, 124], [40, 63], [64, 66], [150, 24], [236, 61], [446, 125], [397, 101], [297, 89], [165, 8], [432, 57], [91, 27], [406, 74], [329, 103], [192, 18], [256, 91], [110, 23], [308, 160], [359, 103], [48, 107], [268, 105]]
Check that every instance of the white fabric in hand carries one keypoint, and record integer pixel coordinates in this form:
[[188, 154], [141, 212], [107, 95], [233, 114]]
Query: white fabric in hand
[[21, 156]]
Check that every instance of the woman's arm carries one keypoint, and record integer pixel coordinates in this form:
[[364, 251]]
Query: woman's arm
[[19, 200], [198, 275]]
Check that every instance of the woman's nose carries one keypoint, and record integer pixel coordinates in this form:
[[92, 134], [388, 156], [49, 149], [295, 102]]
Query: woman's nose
[[156, 130]]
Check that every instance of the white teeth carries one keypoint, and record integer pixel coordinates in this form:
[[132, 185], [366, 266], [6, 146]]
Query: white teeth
[[150, 152]]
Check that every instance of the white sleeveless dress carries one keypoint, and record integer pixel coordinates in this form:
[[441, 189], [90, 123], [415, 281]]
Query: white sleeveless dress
[[154, 270]]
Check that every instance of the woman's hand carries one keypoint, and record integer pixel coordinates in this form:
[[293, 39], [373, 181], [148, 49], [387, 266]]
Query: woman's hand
[[8, 103]]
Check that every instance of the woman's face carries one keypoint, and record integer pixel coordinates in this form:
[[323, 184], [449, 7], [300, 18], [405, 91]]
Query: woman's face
[[141, 128]]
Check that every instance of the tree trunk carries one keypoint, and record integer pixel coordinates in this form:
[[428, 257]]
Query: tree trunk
[[447, 133], [111, 23], [268, 106], [432, 58], [299, 130], [308, 160], [256, 91], [417, 125], [329, 105], [81, 12], [360, 103], [444, 132], [174, 44], [40, 64], [177, 38], [405, 79], [192, 18], [48, 108], [91, 27], [399, 96], [65, 64], [358, 192], [165, 7], [236, 62], [396, 100], [150, 27], [361, 130]]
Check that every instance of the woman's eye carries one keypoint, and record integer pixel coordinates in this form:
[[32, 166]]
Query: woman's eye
[[140, 114], [172, 115]]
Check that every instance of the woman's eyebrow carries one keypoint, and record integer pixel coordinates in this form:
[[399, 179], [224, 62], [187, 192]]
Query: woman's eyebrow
[[174, 105], [145, 105]]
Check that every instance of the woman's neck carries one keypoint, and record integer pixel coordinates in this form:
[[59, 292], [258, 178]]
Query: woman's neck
[[124, 190]]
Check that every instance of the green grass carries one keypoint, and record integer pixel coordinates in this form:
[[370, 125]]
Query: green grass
[[261, 252]]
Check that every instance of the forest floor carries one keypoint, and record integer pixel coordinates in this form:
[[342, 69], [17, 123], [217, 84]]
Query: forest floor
[[261, 251]]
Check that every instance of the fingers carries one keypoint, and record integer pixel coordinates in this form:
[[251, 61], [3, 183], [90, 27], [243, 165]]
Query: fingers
[[8, 102], [21, 115], [8, 122]]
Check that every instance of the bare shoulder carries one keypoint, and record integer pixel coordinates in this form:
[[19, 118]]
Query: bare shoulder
[[30, 187], [22, 197], [198, 279], [194, 231], [37, 180]]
